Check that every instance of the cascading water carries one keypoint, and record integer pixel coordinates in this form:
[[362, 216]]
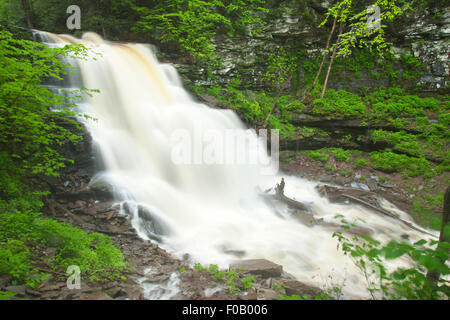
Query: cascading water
[[205, 210]]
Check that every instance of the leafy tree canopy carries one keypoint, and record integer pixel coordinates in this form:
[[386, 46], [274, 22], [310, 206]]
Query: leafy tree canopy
[[30, 114], [192, 23]]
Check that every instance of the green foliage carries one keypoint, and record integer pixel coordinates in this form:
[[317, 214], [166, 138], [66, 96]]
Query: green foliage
[[192, 23], [406, 105], [280, 66], [6, 295], [253, 107], [322, 296], [233, 279], [400, 140], [22, 232], [111, 18], [30, 134], [14, 260], [412, 67], [424, 210], [361, 163], [30, 122], [318, 155], [247, 282], [359, 35], [370, 257], [339, 103], [392, 162], [198, 267], [341, 154]]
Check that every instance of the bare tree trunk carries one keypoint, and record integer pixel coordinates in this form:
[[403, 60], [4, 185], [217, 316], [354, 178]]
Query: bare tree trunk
[[103, 30], [27, 9], [276, 100], [331, 61], [324, 54], [444, 236]]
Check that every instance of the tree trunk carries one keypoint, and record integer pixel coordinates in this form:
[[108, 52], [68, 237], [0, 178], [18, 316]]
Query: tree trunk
[[324, 54], [331, 61], [27, 9], [444, 236], [276, 100]]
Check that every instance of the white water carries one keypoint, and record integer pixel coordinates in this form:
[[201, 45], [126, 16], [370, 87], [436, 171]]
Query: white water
[[206, 208]]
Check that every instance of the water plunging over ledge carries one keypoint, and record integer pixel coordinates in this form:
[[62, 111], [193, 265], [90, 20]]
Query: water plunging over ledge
[[205, 210]]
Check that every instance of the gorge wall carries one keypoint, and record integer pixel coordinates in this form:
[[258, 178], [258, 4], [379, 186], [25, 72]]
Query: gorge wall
[[291, 29]]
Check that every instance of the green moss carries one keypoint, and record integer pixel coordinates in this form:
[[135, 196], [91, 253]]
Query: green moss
[[393, 102], [22, 233], [339, 104], [341, 154], [392, 162], [400, 141], [361, 163], [319, 155]]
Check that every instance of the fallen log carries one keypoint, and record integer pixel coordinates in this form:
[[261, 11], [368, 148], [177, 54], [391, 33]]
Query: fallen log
[[338, 193], [279, 195], [292, 203]]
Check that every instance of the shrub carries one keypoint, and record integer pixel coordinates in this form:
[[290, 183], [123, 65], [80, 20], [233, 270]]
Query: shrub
[[404, 106], [94, 253], [318, 155], [361, 163], [370, 257], [339, 103], [392, 162]]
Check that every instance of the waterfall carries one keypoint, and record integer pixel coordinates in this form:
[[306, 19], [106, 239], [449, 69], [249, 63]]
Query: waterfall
[[207, 210]]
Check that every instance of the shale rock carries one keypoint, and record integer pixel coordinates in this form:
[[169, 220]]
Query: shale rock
[[260, 267]]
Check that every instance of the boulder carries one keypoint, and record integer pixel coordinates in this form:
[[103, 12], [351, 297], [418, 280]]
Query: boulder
[[268, 294], [209, 100], [298, 288], [151, 224], [95, 296], [18, 290], [259, 267]]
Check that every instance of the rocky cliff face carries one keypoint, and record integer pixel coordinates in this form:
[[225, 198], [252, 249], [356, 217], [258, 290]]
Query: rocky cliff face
[[428, 39], [293, 27]]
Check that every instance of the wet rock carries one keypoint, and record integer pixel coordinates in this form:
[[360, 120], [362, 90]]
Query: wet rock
[[116, 292], [209, 100], [304, 218], [268, 294], [102, 190], [288, 276], [105, 206], [5, 280], [19, 290], [152, 224], [158, 278], [91, 211], [260, 267], [236, 253], [33, 292], [361, 186], [372, 184], [299, 288], [326, 178], [76, 205], [252, 295], [49, 295], [95, 296]]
